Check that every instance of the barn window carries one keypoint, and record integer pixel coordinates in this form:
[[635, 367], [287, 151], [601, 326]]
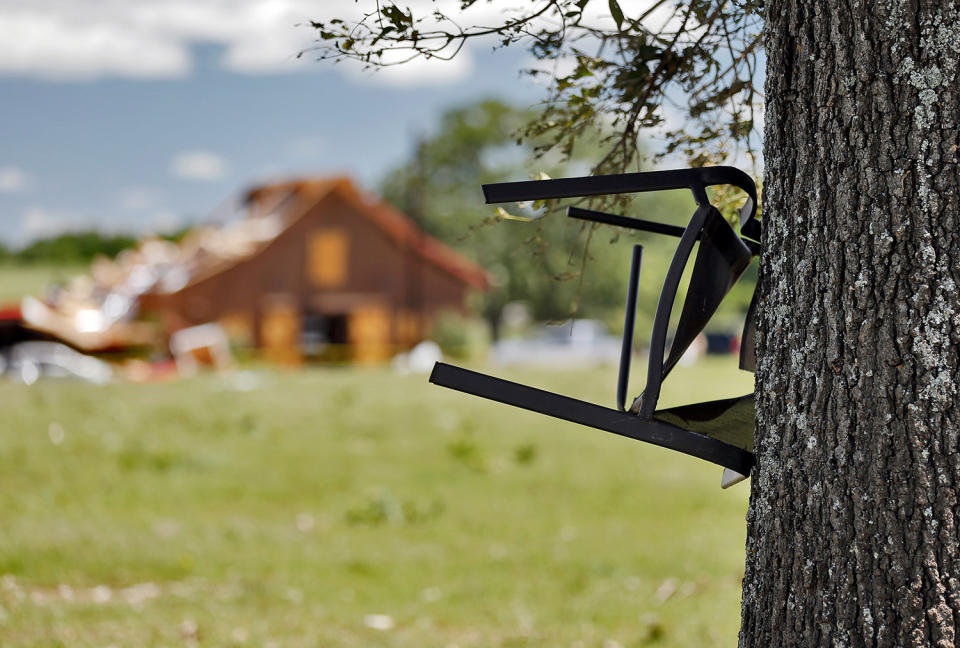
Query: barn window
[[327, 258]]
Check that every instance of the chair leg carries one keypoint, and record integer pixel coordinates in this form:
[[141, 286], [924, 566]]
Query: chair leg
[[730, 477]]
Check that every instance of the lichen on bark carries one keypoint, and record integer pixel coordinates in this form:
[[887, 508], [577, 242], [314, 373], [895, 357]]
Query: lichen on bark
[[852, 527]]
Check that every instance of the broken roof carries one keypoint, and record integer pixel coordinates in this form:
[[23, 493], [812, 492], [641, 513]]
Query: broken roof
[[94, 311], [291, 200]]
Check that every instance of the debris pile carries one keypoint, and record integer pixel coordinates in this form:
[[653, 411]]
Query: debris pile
[[28, 361], [96, 312]]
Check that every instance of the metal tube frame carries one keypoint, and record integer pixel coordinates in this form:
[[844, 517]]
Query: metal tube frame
[[638, 423], [608, 419], [696, 180], [629, 320]]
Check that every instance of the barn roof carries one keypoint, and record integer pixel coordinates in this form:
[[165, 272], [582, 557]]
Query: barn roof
[[307, 193], [92, 310]]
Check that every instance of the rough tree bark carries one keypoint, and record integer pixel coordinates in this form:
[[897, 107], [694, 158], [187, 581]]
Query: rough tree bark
[[853, 521]]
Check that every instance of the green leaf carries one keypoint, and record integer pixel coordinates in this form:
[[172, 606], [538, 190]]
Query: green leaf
[[383, 34], [616, 12]]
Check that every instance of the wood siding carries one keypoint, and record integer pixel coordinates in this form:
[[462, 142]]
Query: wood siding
[[334, 260]]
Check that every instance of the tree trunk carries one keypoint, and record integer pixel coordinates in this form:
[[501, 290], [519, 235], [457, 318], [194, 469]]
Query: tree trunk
[[853, 521]]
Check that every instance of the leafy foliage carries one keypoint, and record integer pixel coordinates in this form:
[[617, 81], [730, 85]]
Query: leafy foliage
[[78, 247], [614, 73], [607, 68], [538, 257], [74, 248]]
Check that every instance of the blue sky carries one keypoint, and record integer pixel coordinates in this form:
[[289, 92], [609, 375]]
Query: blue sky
[[143, 115]]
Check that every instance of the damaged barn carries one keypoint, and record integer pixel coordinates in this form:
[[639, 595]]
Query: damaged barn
[[309, 269]]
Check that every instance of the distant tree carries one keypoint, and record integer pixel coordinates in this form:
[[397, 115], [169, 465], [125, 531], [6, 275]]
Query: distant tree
[[72, 248], [546, 262], [176, 235]]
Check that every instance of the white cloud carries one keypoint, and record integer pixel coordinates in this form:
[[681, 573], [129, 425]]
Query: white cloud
[[53, 45], [198, 165], [418, 72], [38, 221], [41, 222], [80, 40], [13, 180], [136, 199], [307, 146], [165, 222]]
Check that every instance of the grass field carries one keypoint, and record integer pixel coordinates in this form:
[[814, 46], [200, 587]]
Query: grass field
[[356, 508]]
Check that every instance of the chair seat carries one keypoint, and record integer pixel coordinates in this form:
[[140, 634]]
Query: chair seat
[[658, 432], [731, 420]]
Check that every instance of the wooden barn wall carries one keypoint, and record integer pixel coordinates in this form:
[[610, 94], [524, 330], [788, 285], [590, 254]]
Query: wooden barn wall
[[379, 272]]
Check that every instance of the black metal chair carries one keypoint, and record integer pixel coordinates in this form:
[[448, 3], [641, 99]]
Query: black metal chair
[[718, 431]]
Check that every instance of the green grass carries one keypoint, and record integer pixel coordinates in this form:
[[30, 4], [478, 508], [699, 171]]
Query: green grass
[[17, 280], [156, 515]]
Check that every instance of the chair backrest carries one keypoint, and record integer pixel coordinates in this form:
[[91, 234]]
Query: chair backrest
[[748, 341], [721, 259], [717, 431]]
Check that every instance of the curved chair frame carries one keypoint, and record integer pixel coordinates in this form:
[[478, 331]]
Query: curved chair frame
[[721, 259]]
